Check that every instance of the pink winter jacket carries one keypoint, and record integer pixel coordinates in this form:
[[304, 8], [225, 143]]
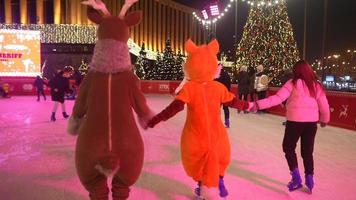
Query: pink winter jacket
[[301, 107]]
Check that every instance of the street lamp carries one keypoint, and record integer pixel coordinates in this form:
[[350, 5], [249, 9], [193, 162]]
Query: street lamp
[[324, 37]]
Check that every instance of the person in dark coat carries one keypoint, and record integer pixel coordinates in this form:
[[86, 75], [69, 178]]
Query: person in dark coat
[[243, 84], [252, 76], [77, 81], [59, 86], [225, 79], [3, 93], [39, 85]]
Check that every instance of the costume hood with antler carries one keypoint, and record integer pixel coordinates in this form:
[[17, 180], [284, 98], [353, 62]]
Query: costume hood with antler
[[109, 142], [205, 147]]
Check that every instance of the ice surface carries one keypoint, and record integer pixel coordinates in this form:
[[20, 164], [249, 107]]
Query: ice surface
[[37, 158]]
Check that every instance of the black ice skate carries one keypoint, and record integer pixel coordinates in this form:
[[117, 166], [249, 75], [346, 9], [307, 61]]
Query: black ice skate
[[65, 115], [222, 189], [53, 117], [309, 182], [296, 181]]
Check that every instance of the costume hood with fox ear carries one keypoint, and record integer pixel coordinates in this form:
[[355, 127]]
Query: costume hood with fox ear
[[109, 142], [201, 64]]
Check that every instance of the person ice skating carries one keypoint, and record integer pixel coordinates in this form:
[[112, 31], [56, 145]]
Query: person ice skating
[[59, 85], [4, 89], [243, 84], [109, 143], [261, 84], [224, 78], [205, 147], [252, 77], [306, 106], [39, 85]]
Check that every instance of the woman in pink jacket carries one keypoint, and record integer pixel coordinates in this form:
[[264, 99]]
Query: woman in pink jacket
[[306, 106]]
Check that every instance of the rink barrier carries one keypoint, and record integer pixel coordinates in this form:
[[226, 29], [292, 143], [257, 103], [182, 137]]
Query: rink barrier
[[342, 104], [342, 108]]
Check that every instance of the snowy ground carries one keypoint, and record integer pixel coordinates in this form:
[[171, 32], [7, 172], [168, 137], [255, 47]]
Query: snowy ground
[[36, 158]]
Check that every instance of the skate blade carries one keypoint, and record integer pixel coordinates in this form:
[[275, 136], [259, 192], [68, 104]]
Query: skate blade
[[295, 188], [309, 191], [199, 198]]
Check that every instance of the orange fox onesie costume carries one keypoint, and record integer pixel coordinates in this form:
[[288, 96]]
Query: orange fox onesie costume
[[205, 146], [109, 142]]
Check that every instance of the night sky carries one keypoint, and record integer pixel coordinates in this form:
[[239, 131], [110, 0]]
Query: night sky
[[341, 29]]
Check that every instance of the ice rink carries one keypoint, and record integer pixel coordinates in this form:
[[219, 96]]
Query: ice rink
[[37, 158]]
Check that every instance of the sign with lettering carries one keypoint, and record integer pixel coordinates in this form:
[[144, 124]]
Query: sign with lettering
[[20, 52]]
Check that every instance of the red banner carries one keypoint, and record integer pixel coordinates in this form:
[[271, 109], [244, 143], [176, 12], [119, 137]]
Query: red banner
[[342, 105]]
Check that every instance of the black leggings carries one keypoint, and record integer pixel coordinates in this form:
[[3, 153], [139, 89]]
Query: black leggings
[[244, 96], [306, 131], [226, 112], [39, 93]]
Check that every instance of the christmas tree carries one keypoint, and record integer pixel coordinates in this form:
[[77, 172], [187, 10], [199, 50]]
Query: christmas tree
[[165, 71], [141, 64], [154, 73], [268, 40], [178, 67]]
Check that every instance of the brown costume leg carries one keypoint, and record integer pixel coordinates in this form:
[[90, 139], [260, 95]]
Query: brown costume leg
[[129, 171], [96, 186], [93, 181]]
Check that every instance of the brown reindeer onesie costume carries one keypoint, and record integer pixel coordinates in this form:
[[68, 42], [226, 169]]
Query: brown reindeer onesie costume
[[109, 142]]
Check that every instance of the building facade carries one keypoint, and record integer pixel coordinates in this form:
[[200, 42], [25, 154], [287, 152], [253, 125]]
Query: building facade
[[162, 19]]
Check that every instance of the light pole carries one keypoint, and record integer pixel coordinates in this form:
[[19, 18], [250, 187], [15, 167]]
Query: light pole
[[324, 38], [305, 29], [235, 38]]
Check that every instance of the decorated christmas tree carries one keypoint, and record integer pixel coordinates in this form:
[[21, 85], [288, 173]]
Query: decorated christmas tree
[[165, 71], [154, 73], [141, 64], [178, 67], [268, 40]]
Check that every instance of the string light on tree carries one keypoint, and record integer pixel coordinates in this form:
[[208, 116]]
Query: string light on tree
[[141, 64]]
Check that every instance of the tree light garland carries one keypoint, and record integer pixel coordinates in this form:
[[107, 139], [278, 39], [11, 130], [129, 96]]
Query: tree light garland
[[257, 3]]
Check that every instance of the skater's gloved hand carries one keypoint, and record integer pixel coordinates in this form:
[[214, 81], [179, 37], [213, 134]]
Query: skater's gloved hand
[[153, 122], [173, 108], [322, 124], [73, 125], [238, 104]]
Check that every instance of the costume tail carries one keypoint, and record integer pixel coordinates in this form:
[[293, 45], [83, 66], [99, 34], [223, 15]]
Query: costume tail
[[108, 165]]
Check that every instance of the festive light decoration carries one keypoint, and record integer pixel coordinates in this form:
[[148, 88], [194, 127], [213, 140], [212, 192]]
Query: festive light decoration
[[71, 34], [141, 64], [155, 71], [267, 3], [167, 67], [219, 15], [268, 40], [83, 68], [340, 64], [177, 70], [166, 70]]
